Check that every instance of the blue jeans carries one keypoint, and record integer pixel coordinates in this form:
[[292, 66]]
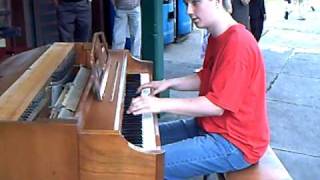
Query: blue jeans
[[125, 20], [189, 151]]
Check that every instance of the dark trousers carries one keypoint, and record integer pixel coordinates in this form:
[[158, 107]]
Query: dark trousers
[[74, 21], [256, 27]]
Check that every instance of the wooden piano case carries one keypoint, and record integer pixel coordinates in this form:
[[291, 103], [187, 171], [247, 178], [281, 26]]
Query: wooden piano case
[[88, 146]]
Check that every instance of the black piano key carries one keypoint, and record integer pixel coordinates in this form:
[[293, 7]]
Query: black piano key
[[132, 127], [131, 124], [133, 77], [134, 140], [137, 135], [131, 131], [130, 117]]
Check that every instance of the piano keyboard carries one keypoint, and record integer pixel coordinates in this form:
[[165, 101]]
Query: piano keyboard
[[138, 130]]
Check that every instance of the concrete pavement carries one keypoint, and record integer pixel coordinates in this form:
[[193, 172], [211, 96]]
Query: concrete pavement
[[291, 49]]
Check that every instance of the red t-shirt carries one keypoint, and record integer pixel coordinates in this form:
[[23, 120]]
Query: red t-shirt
[[233, 78]]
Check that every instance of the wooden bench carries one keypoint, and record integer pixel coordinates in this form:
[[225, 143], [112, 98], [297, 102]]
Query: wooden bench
[[268, 168]]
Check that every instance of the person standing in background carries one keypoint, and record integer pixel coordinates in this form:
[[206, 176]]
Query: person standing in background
[[240, 12], [301, 6], [74, 20], [127, 13], [257, 17], [287, 9]]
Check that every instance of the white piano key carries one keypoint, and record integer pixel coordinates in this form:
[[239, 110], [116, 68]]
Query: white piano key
[[148, 126]]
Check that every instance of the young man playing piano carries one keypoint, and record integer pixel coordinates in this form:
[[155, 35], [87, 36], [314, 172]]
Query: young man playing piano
[[230, 131]]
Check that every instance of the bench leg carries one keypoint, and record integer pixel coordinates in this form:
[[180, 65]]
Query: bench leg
[[205, 177], [220, 176]]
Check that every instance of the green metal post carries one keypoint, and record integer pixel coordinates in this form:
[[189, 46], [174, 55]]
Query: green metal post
[[152, 36]]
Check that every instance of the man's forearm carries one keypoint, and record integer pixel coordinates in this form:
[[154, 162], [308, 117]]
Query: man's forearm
[[197, 107], [186, 83]]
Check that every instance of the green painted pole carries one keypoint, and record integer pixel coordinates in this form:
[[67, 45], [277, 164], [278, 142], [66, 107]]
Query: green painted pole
[[152, 37]]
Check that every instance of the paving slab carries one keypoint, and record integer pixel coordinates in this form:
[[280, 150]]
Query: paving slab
[[303, 64], [187, 51], [174, 69], [275, 60], [296, 90], [307, 55], [291, 39], [294, 128], [300, 166]]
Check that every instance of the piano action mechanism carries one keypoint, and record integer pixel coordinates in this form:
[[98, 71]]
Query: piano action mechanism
[[62, 115]]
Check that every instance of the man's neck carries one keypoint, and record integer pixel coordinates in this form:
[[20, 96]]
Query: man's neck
[[221, 25]]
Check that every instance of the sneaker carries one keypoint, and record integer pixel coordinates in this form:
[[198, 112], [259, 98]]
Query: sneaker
[[286, 15]]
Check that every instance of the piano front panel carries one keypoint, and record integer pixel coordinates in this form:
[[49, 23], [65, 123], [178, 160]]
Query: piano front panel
[[38, 151], [106, 155]]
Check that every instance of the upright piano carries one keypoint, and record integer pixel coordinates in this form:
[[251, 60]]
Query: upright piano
[[62, 115]]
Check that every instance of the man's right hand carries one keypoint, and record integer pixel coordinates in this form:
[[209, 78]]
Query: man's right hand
[[157, 86]]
